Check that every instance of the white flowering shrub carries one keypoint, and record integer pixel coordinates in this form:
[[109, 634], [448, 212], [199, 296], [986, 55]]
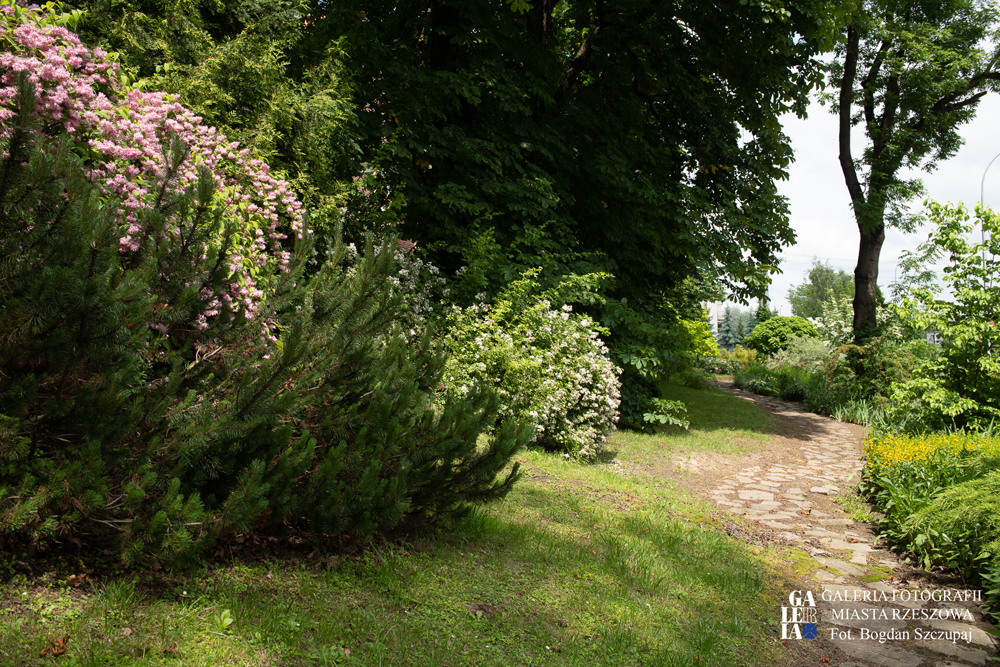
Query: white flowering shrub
[[422, 285], [836, 327], [547, 363], [423, 288]]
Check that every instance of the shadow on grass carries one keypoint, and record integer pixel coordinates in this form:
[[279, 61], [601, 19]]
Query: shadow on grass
[[553, 579], [536, 589], [712, 409]]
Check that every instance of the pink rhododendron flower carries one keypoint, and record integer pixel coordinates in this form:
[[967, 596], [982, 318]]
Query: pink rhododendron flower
[[130, 133]]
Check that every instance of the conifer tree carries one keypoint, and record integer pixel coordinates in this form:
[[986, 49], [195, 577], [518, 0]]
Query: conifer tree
[[763, 312], [729, 334]]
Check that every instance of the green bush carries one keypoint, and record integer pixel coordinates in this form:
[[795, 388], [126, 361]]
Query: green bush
[[805, 352], [938, 494], [695, 378], [135, 404], [547, 363], [864, 372], [756, 378], [776, 334], [727, 363], [786, 383], [960, 527], [821, 397], [960, 386]]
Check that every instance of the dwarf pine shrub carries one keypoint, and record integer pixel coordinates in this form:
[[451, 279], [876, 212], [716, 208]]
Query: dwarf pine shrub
[[168, 372]]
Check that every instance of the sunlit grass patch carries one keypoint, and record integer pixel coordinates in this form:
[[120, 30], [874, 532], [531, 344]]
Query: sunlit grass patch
[[580, 565]]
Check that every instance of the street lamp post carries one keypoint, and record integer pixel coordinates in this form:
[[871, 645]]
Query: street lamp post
[[982, 231]]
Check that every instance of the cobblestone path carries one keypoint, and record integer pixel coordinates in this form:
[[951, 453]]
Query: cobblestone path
[[870, 609]]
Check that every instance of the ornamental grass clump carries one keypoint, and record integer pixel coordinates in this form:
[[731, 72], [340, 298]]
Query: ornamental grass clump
[[169, 374], [547, 363]]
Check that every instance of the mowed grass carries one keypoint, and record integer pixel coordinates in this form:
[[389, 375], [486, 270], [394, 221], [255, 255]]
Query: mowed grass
[[720, 423], [580, 565]]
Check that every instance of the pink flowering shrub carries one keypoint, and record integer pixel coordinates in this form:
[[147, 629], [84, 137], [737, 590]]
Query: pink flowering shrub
[[146, 403], [142, 147]]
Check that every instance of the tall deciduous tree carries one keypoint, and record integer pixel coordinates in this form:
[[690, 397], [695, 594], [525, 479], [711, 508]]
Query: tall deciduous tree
[[910, 72], [823, 283], [643, 133], [637, 138]]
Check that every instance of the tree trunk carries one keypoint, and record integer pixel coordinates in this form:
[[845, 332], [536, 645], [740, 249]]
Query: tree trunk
[[539, 21], [866, 278]]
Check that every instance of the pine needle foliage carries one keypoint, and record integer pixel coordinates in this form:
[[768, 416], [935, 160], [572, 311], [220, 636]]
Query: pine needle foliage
[[122, 415]]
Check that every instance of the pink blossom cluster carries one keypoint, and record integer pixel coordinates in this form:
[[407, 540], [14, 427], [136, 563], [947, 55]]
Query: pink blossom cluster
[[128, 134]]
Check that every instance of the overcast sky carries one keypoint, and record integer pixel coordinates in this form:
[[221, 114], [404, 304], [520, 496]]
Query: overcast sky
[[820, 206]]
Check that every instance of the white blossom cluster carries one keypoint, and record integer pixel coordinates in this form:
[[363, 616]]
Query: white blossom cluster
[[422, 287], [548, 365], [836, 326]]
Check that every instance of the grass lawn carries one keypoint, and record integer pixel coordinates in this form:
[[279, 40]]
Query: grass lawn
[[580, 565]]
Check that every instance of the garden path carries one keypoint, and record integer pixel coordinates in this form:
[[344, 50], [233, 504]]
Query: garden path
[[870, 607]]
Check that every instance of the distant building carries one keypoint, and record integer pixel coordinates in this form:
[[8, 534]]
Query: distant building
[[716, 311]]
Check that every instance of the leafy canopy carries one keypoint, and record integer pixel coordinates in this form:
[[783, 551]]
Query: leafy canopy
[[823, 284]]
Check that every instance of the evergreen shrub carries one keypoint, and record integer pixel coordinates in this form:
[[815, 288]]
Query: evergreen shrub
[[168, 372]]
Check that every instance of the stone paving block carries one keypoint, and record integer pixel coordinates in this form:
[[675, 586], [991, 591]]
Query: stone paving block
[[817, 532], [973, 655], [815, 551], [835, 522], [841, 566], [756, 495], [768, 504], [792, 537], [879, 654], [880, 586], [859, 554], [776, 525], [825, 490]]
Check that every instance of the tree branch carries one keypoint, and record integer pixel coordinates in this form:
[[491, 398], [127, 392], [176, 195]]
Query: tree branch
[[846, 102], [866, 83], [586, 49]]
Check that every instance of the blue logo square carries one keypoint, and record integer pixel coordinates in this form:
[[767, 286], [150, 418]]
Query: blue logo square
[[809, 631]]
